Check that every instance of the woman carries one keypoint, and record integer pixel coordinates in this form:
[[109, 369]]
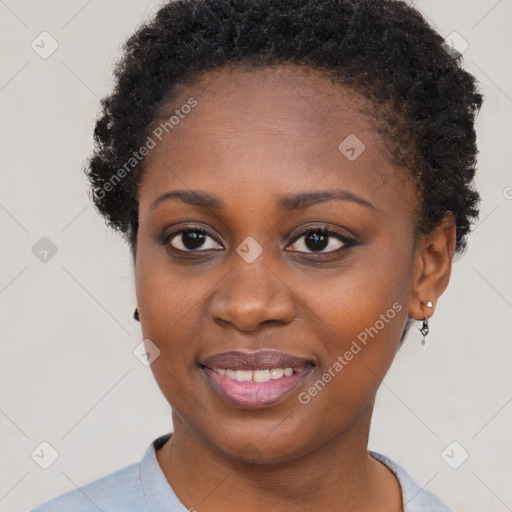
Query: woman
[[294, 179]]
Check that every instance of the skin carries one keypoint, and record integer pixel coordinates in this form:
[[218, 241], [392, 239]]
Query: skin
[[254, 136]]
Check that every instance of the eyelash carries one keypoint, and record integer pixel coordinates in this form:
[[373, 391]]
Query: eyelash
[[347, 242]]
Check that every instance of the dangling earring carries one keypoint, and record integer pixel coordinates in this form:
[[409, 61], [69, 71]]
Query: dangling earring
[[136, 314], [424, 327], [424, 331]]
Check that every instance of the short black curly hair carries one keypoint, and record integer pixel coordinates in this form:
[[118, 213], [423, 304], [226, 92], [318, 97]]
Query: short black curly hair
[[384, 49]]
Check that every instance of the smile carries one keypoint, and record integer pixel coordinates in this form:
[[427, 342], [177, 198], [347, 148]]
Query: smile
[[257, 375], [255, 380]]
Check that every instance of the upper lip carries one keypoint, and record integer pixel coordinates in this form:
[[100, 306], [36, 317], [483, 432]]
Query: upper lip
[[263, 359]]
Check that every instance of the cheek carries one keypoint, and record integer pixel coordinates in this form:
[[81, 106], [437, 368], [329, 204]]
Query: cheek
[[365, 300], [169, 305], [169, 300], [360, 313], [167, 293], [360, 318]]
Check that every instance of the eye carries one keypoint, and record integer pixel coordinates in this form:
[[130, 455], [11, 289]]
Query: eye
[[316, 239], [319, 238], [191, 239]]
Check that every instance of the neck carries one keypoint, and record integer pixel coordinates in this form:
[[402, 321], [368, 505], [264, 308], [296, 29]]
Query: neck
[[339, 476]]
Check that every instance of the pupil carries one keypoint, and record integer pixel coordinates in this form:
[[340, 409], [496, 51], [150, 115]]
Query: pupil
[[193, 239], [318, 241]]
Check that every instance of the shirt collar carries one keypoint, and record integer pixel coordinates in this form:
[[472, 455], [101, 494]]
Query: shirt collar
[[158, 494]]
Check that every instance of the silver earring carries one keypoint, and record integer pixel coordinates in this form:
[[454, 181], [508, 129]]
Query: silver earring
[[424, 327]]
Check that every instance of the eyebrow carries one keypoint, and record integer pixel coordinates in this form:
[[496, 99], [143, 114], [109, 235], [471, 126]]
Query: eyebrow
[[292, 202]]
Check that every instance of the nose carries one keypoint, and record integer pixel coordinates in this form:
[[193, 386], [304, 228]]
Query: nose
[[251, 295]]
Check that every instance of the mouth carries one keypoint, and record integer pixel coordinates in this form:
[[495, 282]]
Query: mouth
[[255, 380]]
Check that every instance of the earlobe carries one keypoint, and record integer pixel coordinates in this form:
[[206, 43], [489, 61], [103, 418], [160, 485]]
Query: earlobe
[[432, 268]]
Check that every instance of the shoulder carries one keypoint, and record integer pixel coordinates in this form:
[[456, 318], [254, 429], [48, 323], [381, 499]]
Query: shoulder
[[120, 490], [414, 497]]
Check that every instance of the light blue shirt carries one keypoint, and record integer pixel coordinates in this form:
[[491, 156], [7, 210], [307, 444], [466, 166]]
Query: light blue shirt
[[142, 487]]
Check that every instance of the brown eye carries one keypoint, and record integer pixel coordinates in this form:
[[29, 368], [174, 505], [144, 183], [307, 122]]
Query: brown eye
[[317, 240], [190, 240]]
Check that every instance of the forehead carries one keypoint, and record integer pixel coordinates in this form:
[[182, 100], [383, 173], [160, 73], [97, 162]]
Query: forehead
[[261, 130], [262, 102]]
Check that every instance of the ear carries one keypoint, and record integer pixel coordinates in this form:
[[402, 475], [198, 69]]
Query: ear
[[432, 267]]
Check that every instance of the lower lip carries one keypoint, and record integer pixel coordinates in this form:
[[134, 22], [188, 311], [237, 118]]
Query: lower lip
[[255, 395]]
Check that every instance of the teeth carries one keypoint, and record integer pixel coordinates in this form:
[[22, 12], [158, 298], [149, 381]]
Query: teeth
[[263, 375], [276, 373], [243, 375]]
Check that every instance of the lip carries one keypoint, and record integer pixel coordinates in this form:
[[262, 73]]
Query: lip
[[263, 359], [255, 395]]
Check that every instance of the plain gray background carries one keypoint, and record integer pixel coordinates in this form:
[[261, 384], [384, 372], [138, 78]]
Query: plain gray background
[[67, 369]]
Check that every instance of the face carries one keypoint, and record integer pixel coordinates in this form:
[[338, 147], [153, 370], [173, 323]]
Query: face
[[274, 267]]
